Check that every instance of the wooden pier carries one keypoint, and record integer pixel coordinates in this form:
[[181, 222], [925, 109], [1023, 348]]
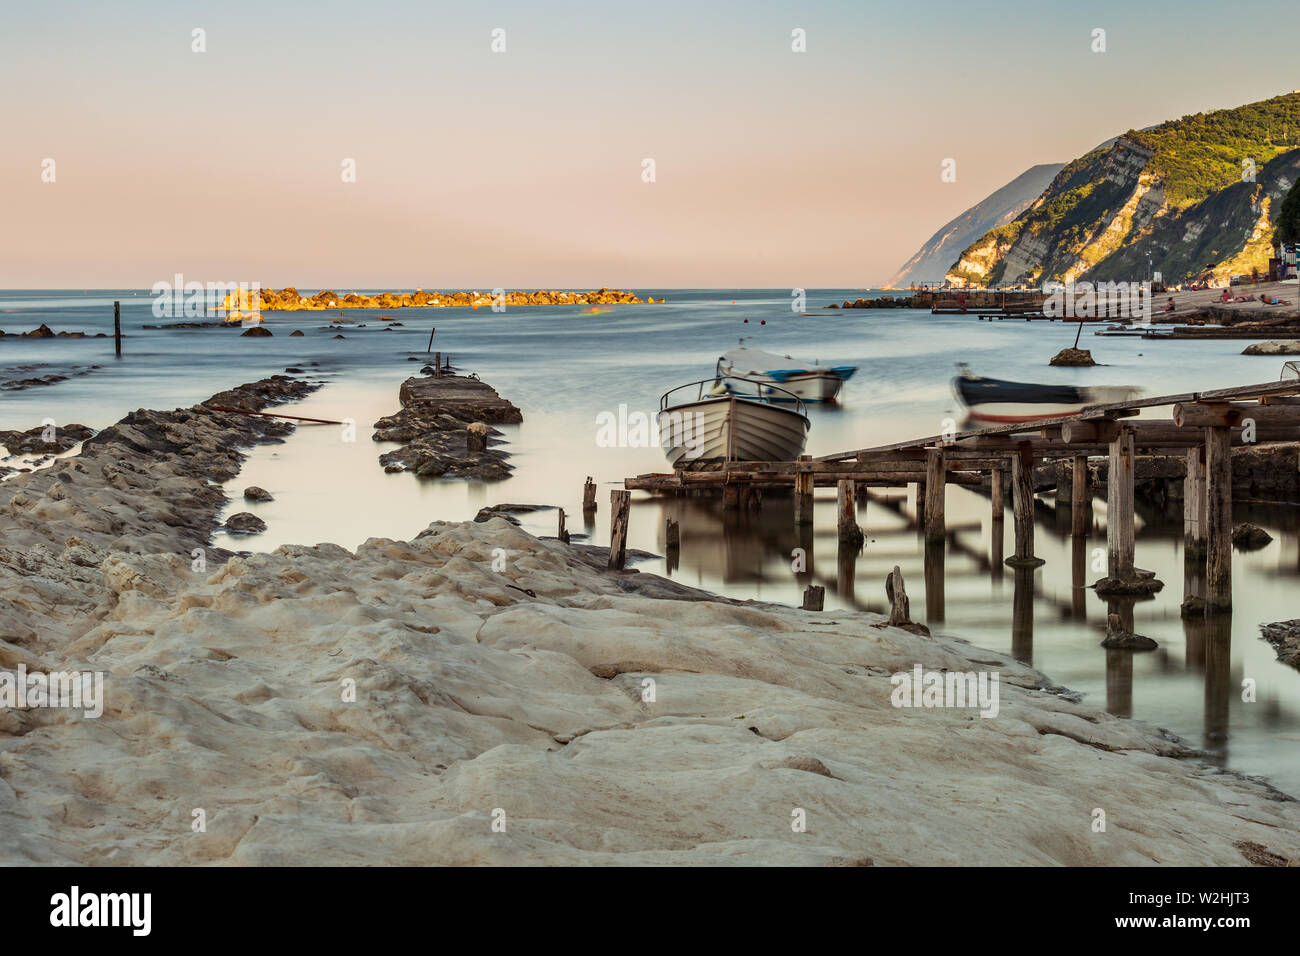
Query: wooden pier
[[1195, 443]]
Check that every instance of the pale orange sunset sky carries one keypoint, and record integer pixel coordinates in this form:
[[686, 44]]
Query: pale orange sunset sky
[[523, 168]]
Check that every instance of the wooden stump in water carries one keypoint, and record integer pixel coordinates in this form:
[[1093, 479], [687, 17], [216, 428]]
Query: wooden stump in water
[[589, 495], [563, 534], [900, 608], [814, 598]]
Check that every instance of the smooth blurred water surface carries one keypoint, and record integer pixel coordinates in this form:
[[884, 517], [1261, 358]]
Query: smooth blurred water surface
[[563, 367]]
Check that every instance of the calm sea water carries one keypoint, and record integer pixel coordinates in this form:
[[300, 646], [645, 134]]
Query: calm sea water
[[564, 367]]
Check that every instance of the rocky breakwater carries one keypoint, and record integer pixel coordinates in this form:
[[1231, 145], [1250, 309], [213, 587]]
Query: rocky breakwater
[[445, 427], [387, 705], [288, 299], [136, 505]]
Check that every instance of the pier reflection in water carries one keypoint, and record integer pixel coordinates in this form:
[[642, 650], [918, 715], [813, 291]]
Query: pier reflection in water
[[1040, 616]]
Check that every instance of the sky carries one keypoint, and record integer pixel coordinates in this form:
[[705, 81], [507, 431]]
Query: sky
[[527, 168]]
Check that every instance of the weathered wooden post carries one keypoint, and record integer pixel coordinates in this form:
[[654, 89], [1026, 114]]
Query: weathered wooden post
[[814, 598], [117, 328], [431, 331], [563, 534], [900, 609], [620, 504], [920, 504], [935, 488], [1080, 499], [1119, 509], [589, 496], [999, 494], [803, 490], [849, 532], [1194, 504], [1218, 519], [1022, 502]]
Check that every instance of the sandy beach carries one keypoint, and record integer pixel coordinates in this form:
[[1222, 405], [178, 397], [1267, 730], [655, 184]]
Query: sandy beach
[[480, 695]]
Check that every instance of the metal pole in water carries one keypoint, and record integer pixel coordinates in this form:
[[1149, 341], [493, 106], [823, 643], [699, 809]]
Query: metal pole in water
[[117, 328]]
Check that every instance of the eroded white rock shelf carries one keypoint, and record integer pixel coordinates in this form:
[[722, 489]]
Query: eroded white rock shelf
[[478, 702]]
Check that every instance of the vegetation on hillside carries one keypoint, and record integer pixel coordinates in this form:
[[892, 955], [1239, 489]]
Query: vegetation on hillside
[[1203, 153]]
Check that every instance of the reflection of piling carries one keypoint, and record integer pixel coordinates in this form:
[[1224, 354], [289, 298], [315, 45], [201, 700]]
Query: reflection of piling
[[1022, 616], [934, 583], [846, 567], [672, 545], [1218, 684], [620, 503], [1119, 683], [1078, 577], [117, 328]]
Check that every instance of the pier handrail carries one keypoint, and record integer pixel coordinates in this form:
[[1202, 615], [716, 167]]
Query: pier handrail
[[762, 392]]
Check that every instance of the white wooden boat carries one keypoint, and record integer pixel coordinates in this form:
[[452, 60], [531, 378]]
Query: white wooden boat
[[809, 383], [735, 420]]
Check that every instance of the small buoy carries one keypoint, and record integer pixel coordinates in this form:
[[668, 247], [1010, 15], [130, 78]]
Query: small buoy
[[763, 322], [747, 321]]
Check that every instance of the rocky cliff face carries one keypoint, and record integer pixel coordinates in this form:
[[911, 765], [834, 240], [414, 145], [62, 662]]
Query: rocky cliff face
[[1188, 198], [933, 259]]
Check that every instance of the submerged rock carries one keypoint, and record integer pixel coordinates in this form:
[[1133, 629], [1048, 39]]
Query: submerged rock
[[255, 331], [245, 523], [1249, 537], [254, 493], [1073, 357], [1291, 347], [1285, 638]]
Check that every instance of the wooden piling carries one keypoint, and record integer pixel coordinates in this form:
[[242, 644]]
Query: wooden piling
[[117, 328], [935, 487], [431, 331], [998, 494], [814, 598], [1119, 509], [1218, 520], [437, 365], [1080, 499], [803, 491], [1194, 504], [1022, 502], [589, 496], [620, 505], [563, 534], [847, 511]]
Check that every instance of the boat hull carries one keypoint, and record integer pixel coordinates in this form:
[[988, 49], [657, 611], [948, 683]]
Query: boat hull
[[996, 402], [732, 428]]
